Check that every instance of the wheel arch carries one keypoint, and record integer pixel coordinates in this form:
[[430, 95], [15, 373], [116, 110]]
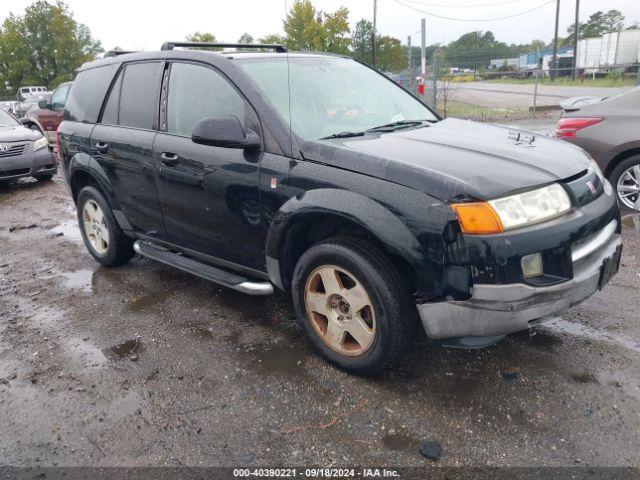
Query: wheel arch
[[85, 171], [320, 214], [627, 152]]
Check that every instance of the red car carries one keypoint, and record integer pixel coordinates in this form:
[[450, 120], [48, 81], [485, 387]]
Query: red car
[[49, 115]]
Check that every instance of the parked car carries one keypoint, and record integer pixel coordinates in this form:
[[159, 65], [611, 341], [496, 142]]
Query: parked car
[[26, 92], [258, 170], [609, 129], [48, 113], [24, 152]]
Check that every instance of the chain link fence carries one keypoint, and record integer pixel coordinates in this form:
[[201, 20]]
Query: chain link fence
[[494, 95]]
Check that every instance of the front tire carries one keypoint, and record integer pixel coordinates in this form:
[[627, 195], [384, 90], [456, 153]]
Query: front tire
[[625, 179], [353, 304], [101, 233]]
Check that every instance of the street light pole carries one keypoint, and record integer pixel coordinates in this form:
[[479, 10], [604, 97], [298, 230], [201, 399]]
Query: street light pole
[[373, 36], [554, 58], [575, 41]]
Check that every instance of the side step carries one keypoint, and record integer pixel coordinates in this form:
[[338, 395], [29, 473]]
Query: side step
[[213, 274]]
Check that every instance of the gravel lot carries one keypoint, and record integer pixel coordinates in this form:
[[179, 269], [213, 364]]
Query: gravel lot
[[143, 365], [518, 95]]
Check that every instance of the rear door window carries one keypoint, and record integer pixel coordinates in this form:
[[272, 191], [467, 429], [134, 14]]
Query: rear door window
[[139, 95], [110, 113], [88, 92]]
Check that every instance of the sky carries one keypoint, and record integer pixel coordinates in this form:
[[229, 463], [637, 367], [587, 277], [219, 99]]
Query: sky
[[146, 24]]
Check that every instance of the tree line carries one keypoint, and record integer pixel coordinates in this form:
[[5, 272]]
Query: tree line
[[45, 45]]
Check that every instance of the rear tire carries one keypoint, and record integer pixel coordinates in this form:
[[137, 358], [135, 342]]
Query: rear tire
[[102, 235], [364, 320], [625, 180]]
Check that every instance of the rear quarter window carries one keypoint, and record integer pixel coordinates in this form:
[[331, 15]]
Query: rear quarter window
[[87, 93]]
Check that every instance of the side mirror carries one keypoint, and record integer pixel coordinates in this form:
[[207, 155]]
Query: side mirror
[[43, 104], [225, 132]]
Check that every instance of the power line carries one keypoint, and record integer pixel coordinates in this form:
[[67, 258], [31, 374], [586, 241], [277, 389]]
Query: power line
[[473, 19], [426, 4]]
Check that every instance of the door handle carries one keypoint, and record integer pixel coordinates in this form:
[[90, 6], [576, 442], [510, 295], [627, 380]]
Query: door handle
[[101, 147], [169, 159]]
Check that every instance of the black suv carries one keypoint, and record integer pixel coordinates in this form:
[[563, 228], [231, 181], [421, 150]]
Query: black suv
[[316, 174]]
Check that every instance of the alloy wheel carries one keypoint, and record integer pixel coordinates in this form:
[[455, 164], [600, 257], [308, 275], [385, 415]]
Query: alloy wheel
[[628, 187], [95, 227], [340, 310]]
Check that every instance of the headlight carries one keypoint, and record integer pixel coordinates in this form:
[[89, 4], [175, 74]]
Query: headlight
[[40, 143], [515, 211]]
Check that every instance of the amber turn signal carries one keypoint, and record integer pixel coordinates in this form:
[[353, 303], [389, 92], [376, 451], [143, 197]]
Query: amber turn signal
[[477, 218]]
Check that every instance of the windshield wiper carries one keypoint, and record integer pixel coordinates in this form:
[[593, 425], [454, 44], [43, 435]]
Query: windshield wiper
[[343, 135], [397, 125]]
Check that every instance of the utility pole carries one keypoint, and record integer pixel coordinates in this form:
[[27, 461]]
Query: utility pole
[[554, 57], [409, 65], [374, 34], [575, 41], [423, 52]]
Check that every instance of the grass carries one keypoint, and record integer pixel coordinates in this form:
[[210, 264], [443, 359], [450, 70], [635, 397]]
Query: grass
[[483, 114], [610, 81]]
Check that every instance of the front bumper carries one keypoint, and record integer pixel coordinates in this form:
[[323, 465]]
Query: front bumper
[[496, 310], [27, 164]]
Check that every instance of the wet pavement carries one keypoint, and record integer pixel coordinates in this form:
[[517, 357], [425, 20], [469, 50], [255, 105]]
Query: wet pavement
[[144, 365]]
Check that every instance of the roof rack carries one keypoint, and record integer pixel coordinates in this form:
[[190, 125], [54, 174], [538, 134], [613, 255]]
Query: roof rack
[[115, 53], [271, 46]]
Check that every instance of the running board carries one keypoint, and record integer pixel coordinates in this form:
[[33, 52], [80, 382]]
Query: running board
[[208, 272]]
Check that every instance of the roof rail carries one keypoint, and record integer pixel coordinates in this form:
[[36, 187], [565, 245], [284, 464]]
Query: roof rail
[[172, 45], [115, 53]]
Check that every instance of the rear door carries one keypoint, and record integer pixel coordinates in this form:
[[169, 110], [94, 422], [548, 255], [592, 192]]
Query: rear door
[[122, 143], [209, 195]]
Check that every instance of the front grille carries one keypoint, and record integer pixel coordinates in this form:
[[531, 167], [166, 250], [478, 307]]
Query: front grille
[[11, 173], [13, 150]]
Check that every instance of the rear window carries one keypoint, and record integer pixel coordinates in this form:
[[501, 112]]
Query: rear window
[[87, 93]]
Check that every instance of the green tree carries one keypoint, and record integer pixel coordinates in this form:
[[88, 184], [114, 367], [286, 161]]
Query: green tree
[[597, 25], [44, 46], [245, 38], [204, 37], [310, 29], [389, 54], [273, 38], [361, 41]]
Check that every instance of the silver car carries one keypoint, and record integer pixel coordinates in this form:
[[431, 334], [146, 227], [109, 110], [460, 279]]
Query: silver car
[[608, 128], [23, 152]]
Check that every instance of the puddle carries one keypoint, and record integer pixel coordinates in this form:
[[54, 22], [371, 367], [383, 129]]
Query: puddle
[[397, 441], [124, 349], [583, 331], [631, 222], [583, 378], [537, 338], [88, 352], [68, 230], [79, 280], [278, 359], [148, 301], [123, 406]]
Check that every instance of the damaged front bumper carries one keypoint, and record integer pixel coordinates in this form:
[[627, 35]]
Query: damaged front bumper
[[496, 310]]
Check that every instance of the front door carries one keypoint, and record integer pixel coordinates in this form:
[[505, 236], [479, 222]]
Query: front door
[[209, 195]]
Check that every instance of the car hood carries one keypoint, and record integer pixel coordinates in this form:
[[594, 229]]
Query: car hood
[[17, 134], [455, 159]]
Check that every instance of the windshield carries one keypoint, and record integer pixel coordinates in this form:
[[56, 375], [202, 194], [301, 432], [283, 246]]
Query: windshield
[[332, 95], [7, 120]]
